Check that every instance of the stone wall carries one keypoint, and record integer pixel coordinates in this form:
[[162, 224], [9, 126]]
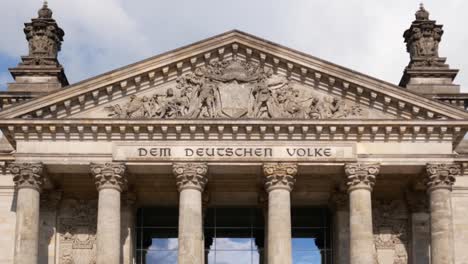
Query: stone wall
[[391, 231], [7, 219], [460, 221]]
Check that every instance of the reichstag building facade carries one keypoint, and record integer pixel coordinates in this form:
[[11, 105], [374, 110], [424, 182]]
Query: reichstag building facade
[[233, 150]]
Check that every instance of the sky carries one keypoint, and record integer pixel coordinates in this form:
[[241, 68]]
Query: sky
[[364, 35]]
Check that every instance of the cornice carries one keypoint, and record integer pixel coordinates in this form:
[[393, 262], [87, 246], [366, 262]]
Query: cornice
[[296, 65], [219, 129]]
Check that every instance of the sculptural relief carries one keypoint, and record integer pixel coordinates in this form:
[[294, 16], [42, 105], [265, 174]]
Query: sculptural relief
[[235, 89], [77, 228], [391, 228]]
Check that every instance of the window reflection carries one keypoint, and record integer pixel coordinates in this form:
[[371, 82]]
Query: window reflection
[[233, 236]]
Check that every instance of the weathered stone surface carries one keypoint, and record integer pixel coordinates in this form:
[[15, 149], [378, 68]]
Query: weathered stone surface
[[109, 175], [110, 180], [279, 182], [440, 179], [191, 180], [360, 181]]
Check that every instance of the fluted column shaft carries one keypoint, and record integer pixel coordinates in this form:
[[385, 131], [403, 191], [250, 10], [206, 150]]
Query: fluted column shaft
[[29, 180], [279, 182], [360, 182], [110, 182], [440, 179], [191, 181]]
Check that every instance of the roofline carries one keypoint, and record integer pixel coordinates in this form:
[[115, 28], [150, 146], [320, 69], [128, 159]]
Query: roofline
[[461, 114]]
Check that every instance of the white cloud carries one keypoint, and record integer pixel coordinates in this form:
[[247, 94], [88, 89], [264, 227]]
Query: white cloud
[[363, 35]]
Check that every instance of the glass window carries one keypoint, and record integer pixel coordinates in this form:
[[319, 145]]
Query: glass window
[[311, 235], [233, 235], [156, 235]]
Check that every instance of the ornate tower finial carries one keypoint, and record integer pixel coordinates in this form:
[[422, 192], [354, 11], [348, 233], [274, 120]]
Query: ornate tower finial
[[45, 12], [45, 39], [430, 72], [422, 13]]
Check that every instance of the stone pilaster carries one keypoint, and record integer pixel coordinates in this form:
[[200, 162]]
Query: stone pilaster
[[420, 230], [279, 182], [29, 180], [191, 180], [110, 182], [439, 182], [340, 206], [360, 181]]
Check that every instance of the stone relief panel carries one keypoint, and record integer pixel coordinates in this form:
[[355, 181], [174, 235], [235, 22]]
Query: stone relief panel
[[235, 89], [390, 220], [77, 229]]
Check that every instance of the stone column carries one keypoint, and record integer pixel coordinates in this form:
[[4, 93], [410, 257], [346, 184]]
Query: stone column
[[360, 182], [191, 181], [110, 182], [128, 227], [339, 202], [420, 230], [440, 179], [29, 180], [279, 182]]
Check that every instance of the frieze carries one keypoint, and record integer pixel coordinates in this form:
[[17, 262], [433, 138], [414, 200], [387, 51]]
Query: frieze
[[235, 89], [233, 151]]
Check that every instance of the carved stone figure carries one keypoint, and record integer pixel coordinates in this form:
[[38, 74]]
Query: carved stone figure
[[44, 37], [422, 41], [235, 89]]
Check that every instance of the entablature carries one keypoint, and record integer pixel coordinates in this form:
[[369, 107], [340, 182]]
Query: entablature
[[211, 130]]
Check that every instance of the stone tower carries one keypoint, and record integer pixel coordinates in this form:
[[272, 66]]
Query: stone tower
[[40, 71], [427, 72]]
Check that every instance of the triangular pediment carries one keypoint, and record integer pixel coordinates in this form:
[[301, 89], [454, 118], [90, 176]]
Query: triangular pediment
[[234, 75]]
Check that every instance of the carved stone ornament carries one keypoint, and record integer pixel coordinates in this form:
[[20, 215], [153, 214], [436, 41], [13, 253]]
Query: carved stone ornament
[[235, 89], [45, 39], [77, 229], [279, 176], [109, 175], [28, 175], [422, 41], [390, 220], [361, 175], [441, 175], [190, 175]]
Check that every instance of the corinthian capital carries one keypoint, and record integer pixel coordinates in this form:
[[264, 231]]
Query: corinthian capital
[[190, 175], [359, 175], [109, 175], [441, 175], [28, 175], [279, 176]]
